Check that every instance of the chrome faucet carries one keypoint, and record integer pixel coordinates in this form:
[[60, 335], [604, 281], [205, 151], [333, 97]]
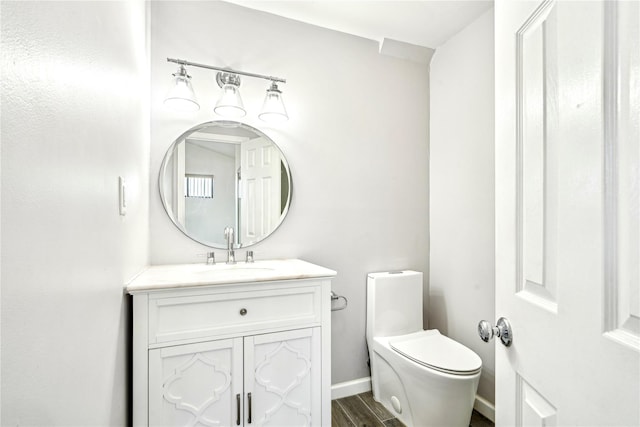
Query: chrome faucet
[[231, 255]]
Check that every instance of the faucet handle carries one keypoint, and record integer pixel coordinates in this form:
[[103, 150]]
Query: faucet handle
[[249, 257], [211, 258]]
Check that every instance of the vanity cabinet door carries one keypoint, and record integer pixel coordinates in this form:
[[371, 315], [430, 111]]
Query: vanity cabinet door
[[196, 384], [282, 381]]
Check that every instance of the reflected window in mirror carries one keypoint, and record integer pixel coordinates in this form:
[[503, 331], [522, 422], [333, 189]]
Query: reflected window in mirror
[[198, 186]]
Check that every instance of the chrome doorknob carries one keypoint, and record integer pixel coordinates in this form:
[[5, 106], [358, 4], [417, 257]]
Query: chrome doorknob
[[501, 330]]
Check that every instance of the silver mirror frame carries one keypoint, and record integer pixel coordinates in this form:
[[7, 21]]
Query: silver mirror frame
[[227, 124]]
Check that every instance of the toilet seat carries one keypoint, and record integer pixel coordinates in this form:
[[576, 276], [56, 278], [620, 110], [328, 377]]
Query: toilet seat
[[435, 351]]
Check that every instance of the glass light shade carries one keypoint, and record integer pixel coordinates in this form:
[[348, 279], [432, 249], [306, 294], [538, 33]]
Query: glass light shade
[[181, 96], [273, 109], [230, 103]]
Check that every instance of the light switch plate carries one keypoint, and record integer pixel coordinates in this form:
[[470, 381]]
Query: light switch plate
[[122, 196]]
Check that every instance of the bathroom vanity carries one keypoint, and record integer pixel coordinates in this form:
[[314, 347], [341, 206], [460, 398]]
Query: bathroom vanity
[[232, 345]]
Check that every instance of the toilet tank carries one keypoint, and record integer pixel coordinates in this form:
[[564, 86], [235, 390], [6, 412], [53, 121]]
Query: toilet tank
[[394, 303]]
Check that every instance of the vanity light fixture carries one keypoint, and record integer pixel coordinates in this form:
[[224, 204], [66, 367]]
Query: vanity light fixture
[[181, 96], [230, 103], [273, 109]]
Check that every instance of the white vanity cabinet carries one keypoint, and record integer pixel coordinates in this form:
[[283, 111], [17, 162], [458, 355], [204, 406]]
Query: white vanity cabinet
[[224, 349]]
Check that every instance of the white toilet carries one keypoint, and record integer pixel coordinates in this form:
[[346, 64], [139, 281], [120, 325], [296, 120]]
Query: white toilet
[[422, 377]]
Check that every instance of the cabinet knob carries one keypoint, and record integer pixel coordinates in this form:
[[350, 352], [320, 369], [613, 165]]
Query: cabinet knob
[[243, 311]]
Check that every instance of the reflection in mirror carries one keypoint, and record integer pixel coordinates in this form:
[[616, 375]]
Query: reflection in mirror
[[225, 173]]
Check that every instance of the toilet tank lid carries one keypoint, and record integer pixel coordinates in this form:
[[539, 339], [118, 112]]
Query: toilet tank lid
[[434, 350], [393, 273]]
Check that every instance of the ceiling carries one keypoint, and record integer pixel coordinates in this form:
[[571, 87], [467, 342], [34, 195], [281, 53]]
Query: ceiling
[[427, 23]]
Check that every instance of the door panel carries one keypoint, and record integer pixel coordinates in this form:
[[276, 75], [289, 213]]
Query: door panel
[[282, 373], [195, 384], [622, 174], [537, 137], [261, 199], [532, 408], [567, 260]]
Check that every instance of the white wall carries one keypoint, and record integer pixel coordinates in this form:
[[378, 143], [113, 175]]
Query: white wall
[[356, 142], [74, 118], [462, 190]]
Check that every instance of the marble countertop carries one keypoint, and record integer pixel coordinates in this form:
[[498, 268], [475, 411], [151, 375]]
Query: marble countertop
[[192, 275]]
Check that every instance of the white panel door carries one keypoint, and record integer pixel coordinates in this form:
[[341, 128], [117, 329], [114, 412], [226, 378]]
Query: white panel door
[[282, 379], [196, 384], [260, 206], [567, 212]]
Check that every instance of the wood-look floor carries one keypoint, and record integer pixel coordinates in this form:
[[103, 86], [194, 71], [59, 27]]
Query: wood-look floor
[[362, 411]]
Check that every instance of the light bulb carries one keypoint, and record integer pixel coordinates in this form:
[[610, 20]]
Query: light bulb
[[181, 96], [230, 103], [273, 109]]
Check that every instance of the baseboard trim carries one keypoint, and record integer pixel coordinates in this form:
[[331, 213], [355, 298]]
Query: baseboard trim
[[349, 388], [485, 407]]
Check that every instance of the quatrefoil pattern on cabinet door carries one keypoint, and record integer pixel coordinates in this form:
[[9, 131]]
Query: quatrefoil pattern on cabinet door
[[298, 368], [197, 402]]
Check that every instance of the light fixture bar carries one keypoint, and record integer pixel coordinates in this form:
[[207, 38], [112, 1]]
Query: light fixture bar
[[227, 70]]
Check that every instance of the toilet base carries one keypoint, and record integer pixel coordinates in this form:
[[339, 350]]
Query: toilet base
[[419, 396]]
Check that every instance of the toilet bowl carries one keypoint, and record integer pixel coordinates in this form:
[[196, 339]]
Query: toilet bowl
[[422, 377]]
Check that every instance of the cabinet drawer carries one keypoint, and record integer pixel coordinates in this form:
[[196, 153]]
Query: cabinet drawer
[[179, 318]]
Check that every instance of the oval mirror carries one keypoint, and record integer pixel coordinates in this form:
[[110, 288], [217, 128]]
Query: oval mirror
[[225, 174]]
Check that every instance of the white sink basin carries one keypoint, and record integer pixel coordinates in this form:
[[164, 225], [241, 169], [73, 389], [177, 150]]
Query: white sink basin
[[230, 272], [231, 268]]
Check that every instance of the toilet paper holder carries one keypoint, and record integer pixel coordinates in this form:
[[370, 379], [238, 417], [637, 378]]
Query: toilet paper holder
[[335, 297]]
